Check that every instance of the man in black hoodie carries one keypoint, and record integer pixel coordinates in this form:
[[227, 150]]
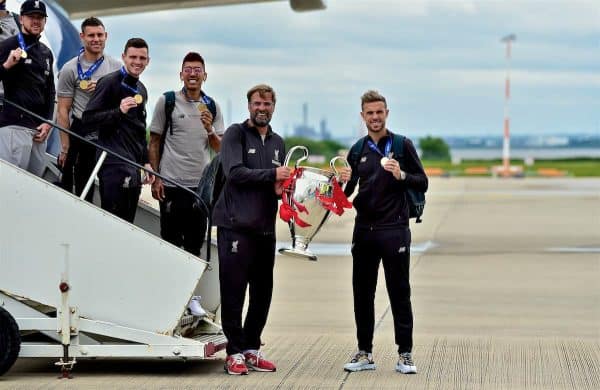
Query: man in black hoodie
[[252, 156], [117, 109], [26, 72]]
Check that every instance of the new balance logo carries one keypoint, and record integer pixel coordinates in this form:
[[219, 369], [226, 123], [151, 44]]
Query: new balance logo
[[234, 247], [37, 4], [402, 249]]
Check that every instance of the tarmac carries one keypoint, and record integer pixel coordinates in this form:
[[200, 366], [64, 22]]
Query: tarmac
[[505, 296]]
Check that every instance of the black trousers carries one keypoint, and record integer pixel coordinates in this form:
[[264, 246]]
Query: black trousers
[[245, 260], [392, 248], [119, 192], [79, 164], [181, 223]]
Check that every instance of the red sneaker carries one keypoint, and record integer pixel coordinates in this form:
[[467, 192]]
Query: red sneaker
[[257, 362], [235, 365]]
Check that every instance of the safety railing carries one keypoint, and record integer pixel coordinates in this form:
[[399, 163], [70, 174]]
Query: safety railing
[[102, 157]]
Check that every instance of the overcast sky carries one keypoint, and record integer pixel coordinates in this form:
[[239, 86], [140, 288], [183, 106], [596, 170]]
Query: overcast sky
[[440, 63]]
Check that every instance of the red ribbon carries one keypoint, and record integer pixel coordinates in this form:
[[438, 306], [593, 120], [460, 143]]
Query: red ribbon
[[337, 202], [286, 211]]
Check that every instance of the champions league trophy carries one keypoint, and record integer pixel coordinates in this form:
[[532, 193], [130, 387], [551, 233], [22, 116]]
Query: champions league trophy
[[309, 196]]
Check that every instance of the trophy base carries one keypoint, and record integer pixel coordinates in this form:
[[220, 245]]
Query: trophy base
[[303, 254]]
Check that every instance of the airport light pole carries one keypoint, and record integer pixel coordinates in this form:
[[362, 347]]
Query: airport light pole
[[506, 143]]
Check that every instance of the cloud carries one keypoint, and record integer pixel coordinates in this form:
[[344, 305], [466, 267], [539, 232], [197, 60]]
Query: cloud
[[440, 63]]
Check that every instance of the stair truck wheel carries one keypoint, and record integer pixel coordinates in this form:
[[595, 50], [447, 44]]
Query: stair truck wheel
[[10, 341]]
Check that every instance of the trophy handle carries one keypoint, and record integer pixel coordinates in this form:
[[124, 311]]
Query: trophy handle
[[334, 160], [288, 157], [334, 169]]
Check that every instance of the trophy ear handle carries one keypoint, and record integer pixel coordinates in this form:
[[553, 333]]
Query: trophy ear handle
[[334, 160], [288, 157]]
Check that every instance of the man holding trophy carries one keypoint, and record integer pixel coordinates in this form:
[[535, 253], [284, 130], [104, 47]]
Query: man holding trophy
[[252, 158], [381, 231]]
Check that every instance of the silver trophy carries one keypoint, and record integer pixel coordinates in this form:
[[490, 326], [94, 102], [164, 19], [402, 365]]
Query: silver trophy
[[304, 195]]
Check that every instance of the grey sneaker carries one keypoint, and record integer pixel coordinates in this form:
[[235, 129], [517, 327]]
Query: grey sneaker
[[405, 364], [361, 361]]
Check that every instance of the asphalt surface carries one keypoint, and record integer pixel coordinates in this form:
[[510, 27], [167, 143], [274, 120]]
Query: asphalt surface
[[505, 295]]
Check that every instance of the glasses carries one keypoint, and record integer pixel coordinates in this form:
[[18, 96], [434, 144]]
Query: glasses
[[190, 70]]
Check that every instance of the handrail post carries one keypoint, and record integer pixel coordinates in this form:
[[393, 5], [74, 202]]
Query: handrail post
[[90, 181]]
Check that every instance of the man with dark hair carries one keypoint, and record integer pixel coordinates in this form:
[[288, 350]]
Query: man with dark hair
[[117, 109], [252, 157], [182, 136], [381, 231], [26, 72], [76, 83]]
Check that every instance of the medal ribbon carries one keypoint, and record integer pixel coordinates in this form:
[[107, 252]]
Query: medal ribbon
[[286, 211], [203, 98], [22, 42], [88, 73], [388, 147], [129, 87]]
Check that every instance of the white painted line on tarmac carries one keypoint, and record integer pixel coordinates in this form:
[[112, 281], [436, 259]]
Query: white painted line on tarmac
[[574, 249], [342, 249]]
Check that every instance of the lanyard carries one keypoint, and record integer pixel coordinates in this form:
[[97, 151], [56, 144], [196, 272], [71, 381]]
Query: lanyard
[[388, 147], [129, 87], [203, 98], [22, 42], [87, 75]]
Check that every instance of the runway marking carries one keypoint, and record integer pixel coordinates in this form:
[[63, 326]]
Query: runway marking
[[525, 193], [341, 249], [574, 249]]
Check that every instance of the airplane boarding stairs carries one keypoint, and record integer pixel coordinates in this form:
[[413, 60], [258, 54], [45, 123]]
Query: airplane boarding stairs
[[123, 291]]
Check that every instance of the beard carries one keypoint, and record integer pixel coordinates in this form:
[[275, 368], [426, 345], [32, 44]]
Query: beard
[[261, 121]]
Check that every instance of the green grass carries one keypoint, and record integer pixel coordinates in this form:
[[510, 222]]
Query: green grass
[[583, 167]]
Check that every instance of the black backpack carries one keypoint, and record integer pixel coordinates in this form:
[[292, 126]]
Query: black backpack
[[170, 106], [416, 199], [210, 187]]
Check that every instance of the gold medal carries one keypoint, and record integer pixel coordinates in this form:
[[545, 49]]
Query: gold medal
[[23, 54], [138, 98], [84, 84], [202, 107], [384, 161]]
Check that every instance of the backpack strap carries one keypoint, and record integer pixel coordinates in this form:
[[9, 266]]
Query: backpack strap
[[169, 108], [398, 147], [210, 104], [355, 151]]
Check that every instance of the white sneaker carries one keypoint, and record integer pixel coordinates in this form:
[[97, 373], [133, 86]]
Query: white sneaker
[[361, 361], [405, 364], [195, 308]]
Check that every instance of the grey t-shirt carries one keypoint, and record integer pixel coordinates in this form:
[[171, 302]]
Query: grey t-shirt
[[187, 150], [68, 84], [9, 27]]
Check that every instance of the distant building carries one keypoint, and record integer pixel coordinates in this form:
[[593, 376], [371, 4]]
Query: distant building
[[325, 133], [306, 131]]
